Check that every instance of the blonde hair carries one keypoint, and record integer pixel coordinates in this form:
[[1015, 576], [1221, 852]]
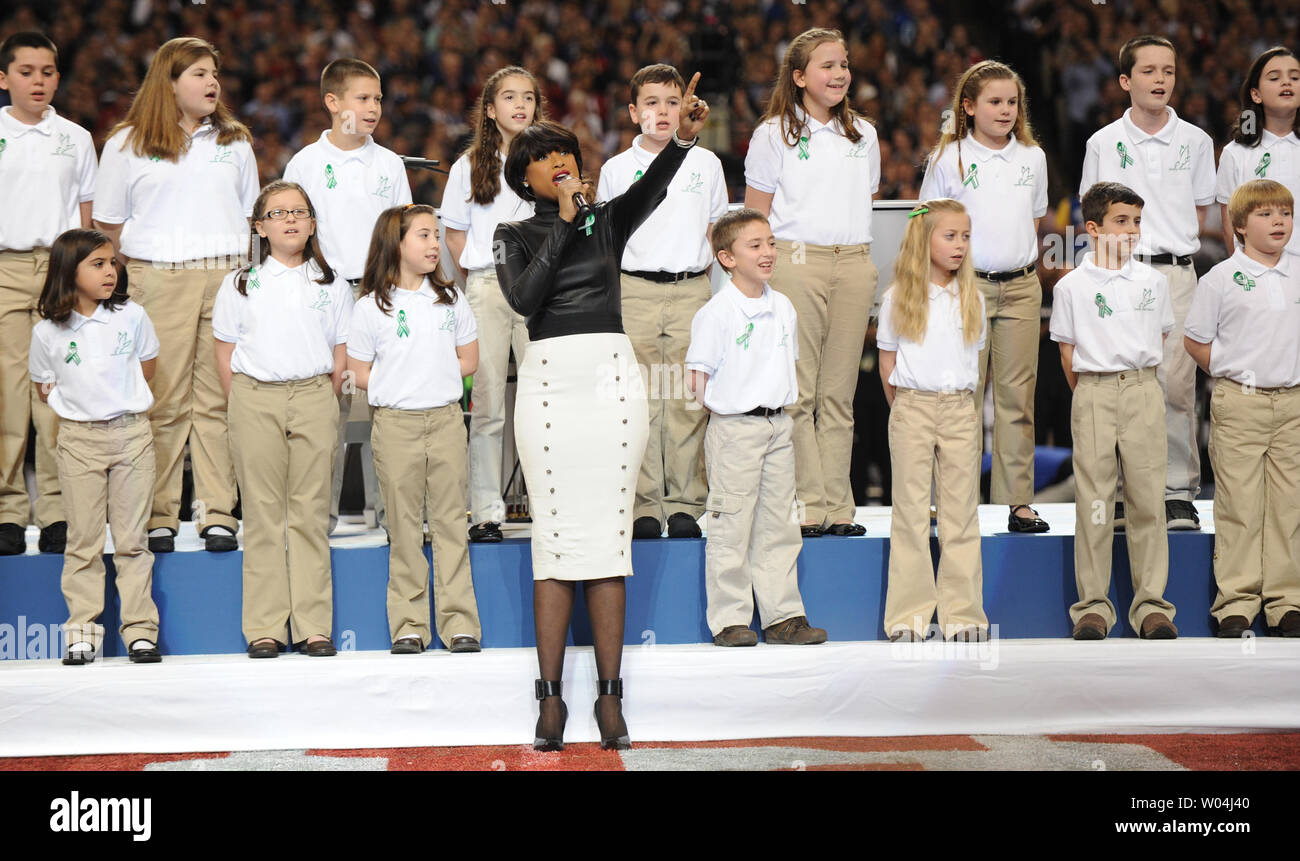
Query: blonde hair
[[155, 120], [911, 289], [1252, 195], [787, 99], [969, 86]]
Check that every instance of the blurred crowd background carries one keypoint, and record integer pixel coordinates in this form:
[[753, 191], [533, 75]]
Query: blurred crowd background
[[905, 57]]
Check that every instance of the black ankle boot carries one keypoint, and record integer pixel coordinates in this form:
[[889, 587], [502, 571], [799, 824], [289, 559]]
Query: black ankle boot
[[611, 740], [544, 689]]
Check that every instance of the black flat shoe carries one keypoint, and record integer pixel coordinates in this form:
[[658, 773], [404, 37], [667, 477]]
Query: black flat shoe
[[266, 649], [218, 541], [682, 525], [846, 529], [13, 539], [488, 532], [549, 743], [811, 530], [465, 643], [319, 649], [54, 538], [77, 657], [1032, 524], [145, 654], [646, 527], [615, 741], [162, 543]]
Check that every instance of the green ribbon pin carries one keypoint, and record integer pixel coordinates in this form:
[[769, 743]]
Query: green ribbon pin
[[330, 181], [2, 146], [638, 175], [1262, 168], [586, 225], [1242, 281], [743, 340], [72, 357], [1124, 158], [403, 330], [803, 148], [972, 176], [253, 283], [1102, 308]]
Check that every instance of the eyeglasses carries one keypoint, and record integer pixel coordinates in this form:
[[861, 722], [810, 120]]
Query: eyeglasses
[[282, 214]]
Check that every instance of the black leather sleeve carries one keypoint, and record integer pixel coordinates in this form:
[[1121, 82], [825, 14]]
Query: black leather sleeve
[[527, 276], [629, 209]]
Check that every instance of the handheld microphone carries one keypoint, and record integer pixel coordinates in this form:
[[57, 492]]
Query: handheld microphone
[[584, 208]]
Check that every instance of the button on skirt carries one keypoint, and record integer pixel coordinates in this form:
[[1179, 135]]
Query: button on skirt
[[581, 423]]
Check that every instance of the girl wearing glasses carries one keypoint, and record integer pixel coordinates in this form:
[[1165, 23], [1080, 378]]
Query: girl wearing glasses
[[281, 328]]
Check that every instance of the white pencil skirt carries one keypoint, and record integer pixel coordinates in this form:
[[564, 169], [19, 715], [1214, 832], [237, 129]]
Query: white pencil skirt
[[580, 426]]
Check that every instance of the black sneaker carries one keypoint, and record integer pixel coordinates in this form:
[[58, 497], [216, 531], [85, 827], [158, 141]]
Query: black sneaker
[[646, 527], [1119, 517], [54, 538], [487, 532], [13, 539], [219, 539], [680, 525], [161, 543], [1181, 514]]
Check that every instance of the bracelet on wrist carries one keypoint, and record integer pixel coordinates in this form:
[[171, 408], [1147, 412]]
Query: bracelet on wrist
[[682, 143]]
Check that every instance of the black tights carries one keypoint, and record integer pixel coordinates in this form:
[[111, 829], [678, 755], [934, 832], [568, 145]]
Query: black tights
[[552, 610]]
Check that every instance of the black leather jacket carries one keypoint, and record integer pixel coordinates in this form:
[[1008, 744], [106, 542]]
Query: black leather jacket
[[566, 281]]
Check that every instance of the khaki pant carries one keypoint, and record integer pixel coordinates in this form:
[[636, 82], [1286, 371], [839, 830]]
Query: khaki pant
[[1013, 310], [282, 440], [189, 403], [832, 289], [1177, 375], [1124, 413], [657, 318], [1255, 450], [108, 467], [420, 459], [22, 274], [753, 536], [934, 439], [499, 329]]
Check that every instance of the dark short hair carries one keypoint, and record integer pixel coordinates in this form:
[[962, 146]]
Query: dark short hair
[[335, 76], [537, 142], [1098, 200], [1128, 54], [728, 227], [59, 292], [659, 73], [25, 39]]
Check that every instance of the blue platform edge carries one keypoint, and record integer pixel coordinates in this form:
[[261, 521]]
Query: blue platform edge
[[1028, 589]]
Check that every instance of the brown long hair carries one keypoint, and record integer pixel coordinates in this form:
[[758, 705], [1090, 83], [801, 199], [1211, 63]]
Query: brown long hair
[[912, 276], [968, 89], [259, 249], [1250, 109], [485, 149], [155, 120], [384, 261], [59, 292], [786, 98]]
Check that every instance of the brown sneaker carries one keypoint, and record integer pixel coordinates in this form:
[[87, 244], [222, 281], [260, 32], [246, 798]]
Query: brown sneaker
[[736, 635], [794, 632], [1289, 624], [1090, 627], [1157, 626]]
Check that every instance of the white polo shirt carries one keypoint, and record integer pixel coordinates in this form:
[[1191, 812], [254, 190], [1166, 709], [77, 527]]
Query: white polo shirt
[[1115, 318], [412, 349], [1273, 158], [173, 211], [748, 348], [822, 186], [1250, 314], [1003, 190], [674, 238], [348, 189], [94, 363], [46, 172], [287, 326], [1172, 170], [459, 212], [943, 361]]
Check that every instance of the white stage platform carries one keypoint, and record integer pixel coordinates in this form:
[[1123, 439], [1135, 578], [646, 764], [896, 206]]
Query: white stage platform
[[353, 532], [674, 693]]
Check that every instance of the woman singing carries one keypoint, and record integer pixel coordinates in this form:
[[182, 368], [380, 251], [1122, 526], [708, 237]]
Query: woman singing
[[580, 409]]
